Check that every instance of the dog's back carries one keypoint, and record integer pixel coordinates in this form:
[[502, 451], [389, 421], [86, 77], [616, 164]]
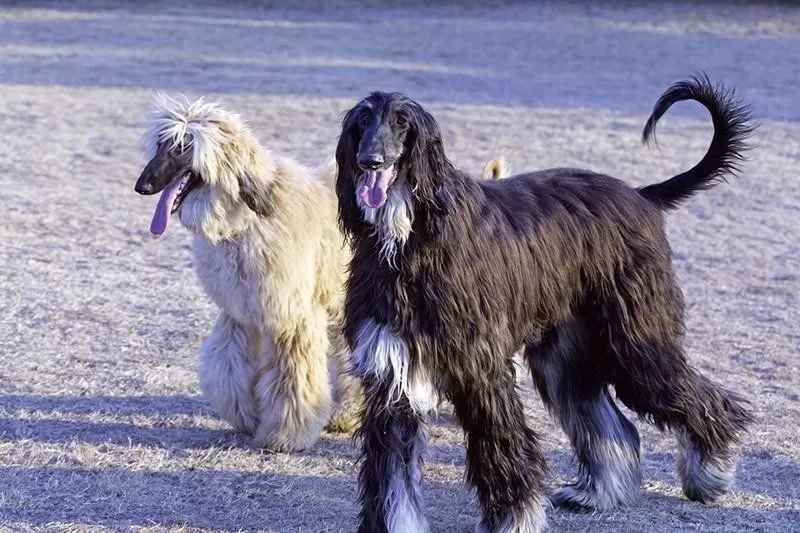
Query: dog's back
[[556, 227]]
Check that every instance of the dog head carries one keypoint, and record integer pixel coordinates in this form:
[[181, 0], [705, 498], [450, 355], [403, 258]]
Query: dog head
[[390, 163], [202, 161]]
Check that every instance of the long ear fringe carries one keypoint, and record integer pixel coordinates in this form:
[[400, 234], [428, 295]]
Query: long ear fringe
[[257, 196], [346, 176], [427, 160]]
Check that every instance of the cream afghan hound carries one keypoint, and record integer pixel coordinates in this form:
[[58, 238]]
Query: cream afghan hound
[[268, 251]]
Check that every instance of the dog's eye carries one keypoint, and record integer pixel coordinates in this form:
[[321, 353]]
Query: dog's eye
[[401, 121]]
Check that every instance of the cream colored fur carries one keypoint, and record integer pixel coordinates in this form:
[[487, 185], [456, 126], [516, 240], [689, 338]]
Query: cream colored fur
[[496, 169], [269, 367]]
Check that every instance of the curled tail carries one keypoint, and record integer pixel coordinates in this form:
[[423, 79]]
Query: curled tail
[[496, 169], [731, 129]]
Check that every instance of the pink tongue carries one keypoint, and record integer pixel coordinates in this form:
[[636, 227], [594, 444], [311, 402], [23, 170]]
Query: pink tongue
[[373, 192], [164, 207]]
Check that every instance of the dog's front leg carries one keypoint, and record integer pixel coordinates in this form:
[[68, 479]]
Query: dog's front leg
[[226, 371], [397, 398], [293, 392], [393, 440], [504, 460]]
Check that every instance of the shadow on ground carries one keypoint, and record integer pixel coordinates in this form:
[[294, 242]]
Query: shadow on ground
[[202, 498], [198, 499], [116, 405], [248, 500]]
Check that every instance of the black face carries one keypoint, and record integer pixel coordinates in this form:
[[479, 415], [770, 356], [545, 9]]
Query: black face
[[377, 141], [383, 122], [387, 138], [167, 166]]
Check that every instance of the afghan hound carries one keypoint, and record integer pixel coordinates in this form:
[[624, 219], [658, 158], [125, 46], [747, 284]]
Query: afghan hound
[[450, 275], [268, 251]]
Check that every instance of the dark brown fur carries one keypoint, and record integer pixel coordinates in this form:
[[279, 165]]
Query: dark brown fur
[[573, 265]]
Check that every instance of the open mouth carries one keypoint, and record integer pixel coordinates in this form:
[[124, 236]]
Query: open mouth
[[375, 186], [170, 201]]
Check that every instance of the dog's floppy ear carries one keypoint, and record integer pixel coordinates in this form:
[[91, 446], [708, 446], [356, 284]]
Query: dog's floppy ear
[[258, 197], [427, 158], [348, 172]]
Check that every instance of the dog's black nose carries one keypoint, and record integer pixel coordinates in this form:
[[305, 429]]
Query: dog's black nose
[[143, 187], [371, 161]]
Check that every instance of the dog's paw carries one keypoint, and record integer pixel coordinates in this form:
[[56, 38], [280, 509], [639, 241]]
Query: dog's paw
[[708, 480], [346, 416], [582, 498], [573, 498], [530, 518]]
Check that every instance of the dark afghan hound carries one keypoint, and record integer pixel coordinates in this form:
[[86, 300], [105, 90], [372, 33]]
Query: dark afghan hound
[[450, 275]]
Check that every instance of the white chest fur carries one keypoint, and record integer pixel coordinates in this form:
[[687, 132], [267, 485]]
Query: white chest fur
[[381, 355], [392, 222]]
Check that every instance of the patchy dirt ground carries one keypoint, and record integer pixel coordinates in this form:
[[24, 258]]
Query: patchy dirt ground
[[101, 423]]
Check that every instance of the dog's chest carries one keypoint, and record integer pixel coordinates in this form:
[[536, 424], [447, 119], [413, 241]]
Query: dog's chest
[[442, 302], [226, 275]]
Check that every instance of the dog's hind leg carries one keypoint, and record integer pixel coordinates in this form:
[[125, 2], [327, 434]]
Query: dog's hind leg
[[226, 371], [574, 388], [705, 417], [504, 461], [653, 377], [706, 463], [293, 389]]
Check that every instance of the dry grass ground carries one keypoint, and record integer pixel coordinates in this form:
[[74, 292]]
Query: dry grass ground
[[101, 424]]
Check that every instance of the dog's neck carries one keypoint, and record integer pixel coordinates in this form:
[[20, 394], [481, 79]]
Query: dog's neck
[[215, 217], [392, 222], [219, 212]]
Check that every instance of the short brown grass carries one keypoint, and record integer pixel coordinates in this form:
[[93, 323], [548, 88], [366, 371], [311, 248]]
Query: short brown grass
[[101, 425]]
